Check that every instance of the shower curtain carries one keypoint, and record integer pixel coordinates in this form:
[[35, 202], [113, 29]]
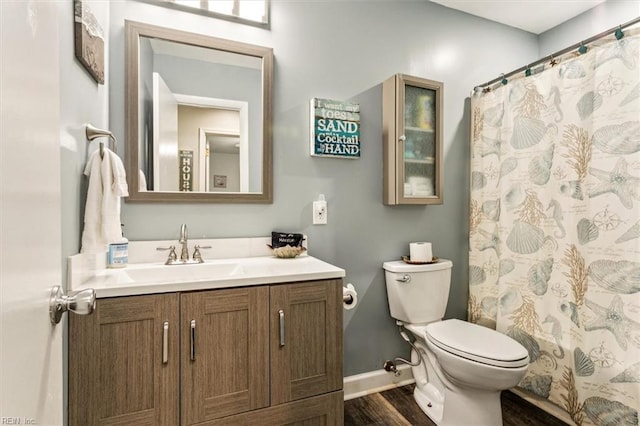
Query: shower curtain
[[554, 256]]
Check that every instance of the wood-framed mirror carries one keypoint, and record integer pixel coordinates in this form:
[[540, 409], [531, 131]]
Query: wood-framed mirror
[[198, 117]]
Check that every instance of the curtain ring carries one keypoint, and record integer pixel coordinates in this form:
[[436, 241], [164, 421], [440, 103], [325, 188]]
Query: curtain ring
[[582, 49], [619, 34], [554, 61], [527, 71], [504, 80]]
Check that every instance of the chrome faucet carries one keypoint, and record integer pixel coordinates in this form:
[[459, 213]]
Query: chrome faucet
[[184, 252]]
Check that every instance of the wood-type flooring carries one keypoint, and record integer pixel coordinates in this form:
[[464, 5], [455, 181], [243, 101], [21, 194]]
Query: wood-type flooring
[[396, 407]]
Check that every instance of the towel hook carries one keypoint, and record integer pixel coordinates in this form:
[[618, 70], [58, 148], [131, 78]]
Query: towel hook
[[93, 132]]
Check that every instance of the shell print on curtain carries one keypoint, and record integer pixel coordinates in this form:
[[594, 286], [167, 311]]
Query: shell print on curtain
[[555, 227]]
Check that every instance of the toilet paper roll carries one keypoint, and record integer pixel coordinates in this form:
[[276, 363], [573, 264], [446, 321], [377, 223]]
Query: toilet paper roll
[[420, 252], [349, 297]]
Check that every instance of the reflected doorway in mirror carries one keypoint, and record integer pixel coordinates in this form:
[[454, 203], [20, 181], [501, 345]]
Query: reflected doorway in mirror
[[225, 156]]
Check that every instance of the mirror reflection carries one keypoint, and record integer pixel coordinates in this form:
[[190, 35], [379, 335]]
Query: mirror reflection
[[202, 117]]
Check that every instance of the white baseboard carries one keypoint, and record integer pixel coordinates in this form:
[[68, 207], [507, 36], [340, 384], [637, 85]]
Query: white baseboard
[[376, 381]]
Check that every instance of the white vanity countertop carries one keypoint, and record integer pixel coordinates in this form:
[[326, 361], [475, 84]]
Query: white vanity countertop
[[148, 278]]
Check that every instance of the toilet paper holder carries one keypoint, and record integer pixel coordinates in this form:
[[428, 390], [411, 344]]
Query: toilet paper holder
[[349, 297]]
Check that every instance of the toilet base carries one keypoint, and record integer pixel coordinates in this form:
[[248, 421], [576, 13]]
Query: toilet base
[[430, 401], [448, 403], [459, 409]]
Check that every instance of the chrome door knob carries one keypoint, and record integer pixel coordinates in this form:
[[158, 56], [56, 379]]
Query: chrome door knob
[[82, 303]]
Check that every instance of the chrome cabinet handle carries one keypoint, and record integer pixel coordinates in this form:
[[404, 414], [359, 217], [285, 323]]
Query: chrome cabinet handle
[[193, 340], [405, 279], [281, 314], [165, 342]]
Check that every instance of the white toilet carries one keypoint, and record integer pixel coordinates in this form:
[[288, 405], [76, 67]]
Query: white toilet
[[464, 366]]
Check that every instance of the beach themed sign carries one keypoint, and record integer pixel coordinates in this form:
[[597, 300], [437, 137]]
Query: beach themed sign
[[335, 128], [88, 40]]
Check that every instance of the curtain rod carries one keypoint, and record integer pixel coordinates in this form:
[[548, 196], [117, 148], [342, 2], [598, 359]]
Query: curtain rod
[[562, 52]]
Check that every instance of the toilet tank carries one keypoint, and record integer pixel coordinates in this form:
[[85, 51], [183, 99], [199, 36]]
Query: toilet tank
[[418, 293]]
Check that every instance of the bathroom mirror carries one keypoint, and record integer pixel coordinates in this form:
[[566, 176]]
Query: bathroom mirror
[[198, 117]]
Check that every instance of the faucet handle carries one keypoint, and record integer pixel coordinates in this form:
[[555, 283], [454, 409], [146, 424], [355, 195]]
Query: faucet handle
[[172, 254], [196, 252]]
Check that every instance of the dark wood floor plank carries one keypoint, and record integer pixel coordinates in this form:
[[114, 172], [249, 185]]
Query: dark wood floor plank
[[519, 412], [396, 407], [372, 409], [402, 399]]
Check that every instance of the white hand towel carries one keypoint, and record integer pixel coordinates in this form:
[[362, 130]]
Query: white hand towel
[[114, 185], [142, 181], [119, 177], [92, 232], [107, 183]]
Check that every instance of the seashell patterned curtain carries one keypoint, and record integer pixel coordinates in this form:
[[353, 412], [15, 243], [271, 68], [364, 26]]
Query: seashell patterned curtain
[[554, 256]]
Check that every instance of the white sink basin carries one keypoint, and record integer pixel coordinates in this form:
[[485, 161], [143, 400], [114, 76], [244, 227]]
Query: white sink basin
[[155, 277], [158, 273]]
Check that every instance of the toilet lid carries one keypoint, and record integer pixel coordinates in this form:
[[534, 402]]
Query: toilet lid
[[477, 343]]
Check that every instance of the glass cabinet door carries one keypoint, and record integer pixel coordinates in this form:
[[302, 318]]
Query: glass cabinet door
[[419, 153], [413, 170]]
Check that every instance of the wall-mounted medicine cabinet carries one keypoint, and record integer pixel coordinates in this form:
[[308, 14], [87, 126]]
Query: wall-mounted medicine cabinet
[[412, 137]]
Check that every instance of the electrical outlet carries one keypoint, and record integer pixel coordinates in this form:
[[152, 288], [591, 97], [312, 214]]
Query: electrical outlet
[[319, 212]]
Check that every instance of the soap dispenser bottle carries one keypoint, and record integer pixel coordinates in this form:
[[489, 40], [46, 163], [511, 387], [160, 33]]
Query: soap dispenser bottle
[[118, 254]]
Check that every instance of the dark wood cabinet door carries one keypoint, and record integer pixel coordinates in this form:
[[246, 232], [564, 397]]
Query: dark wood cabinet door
[[123, 362], [306, 339], [225, 353]]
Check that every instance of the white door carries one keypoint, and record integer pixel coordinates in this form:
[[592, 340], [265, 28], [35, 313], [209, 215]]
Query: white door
[[30, 242], [165, 137]]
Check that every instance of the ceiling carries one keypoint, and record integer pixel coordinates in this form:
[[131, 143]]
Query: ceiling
[[534, 16]]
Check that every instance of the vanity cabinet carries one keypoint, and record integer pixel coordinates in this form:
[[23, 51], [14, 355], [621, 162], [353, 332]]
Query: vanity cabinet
[[412, 137], [306, 340], [123, 362], [224, 353], [267, 355]]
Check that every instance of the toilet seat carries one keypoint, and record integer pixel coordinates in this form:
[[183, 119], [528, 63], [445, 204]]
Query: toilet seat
[[477, 343]]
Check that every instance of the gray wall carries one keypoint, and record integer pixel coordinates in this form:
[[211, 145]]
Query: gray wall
[[82, 101], [594, 21], [344, 50]]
